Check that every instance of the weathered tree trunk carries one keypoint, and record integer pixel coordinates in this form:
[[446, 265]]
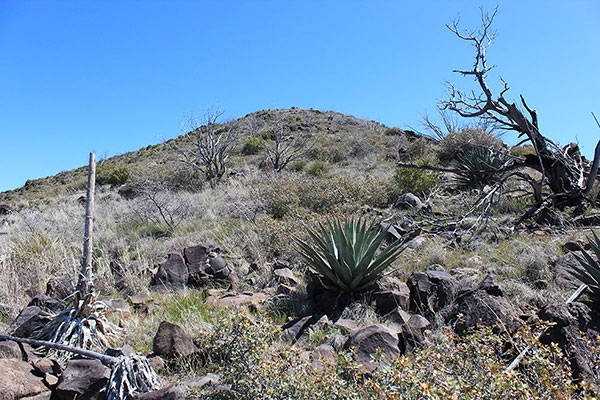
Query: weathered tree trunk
[[85, 284]]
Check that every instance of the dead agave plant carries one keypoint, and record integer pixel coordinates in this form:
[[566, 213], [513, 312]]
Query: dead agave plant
[[129, 374], [84, 324]]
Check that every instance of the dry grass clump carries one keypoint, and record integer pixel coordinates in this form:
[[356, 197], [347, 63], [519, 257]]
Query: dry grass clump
[[456, 143]]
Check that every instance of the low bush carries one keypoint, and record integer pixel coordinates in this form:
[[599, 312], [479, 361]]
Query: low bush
[[252, 146], [416, 181], [318, 168], [467, 368], [118, 176]]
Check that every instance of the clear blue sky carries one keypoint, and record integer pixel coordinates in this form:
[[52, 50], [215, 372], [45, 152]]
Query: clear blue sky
[[114, 76]]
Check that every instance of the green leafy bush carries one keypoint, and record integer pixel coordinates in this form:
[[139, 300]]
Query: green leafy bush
[[268, 135], [590, 275], [118, 176], [392, 131], [345, 254], [413, 180], [252, 146], [458, 368], [106, 175], [522, 151]]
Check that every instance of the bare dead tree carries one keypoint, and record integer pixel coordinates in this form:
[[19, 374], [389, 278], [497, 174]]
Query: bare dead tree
[[562, 169], [209, 143], [158, 203], [285, 147]]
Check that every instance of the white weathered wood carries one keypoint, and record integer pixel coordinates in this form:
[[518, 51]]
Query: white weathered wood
[[106, 360], [85, 284]]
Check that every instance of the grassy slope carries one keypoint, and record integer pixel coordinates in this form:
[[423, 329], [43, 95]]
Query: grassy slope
[[251, 216]]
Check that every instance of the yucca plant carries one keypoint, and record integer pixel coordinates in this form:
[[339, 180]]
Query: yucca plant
[[479, 167], [590, 274], [345, 253]]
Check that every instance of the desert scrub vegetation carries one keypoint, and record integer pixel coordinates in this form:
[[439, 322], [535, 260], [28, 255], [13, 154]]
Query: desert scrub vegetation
[[468, 367]]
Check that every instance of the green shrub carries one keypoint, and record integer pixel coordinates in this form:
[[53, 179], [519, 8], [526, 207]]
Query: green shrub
[[392, 131], [105, 175], [318, 168], [413, 180], [458, 368], [268, 135], [522, 151], [345, 254], [118, 176], [252, 146], [298, 166]]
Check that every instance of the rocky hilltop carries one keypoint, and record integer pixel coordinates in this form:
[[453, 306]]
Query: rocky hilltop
[[241, 277]]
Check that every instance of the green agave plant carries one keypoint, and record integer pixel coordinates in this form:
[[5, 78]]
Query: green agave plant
[[344, 253], [476, 160], [590, 274]]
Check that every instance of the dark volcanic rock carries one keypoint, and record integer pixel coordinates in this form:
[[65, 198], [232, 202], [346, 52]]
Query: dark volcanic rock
[[571, 322], [388, 300], [5, 209], [430, 291], [562, 266], [484, 306], [29, 322], [173, 273], [83, 379], [171, 340], [17, 381], [196, 258], [47, 303], [294, 329], [371, 340]]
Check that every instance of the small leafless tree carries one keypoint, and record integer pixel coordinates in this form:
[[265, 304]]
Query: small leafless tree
[[285, 147], [156, 202], [209, 144]]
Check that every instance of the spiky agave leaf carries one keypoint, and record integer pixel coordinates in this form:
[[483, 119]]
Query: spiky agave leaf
[[479, 167], [345, 253], [590, 274]]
